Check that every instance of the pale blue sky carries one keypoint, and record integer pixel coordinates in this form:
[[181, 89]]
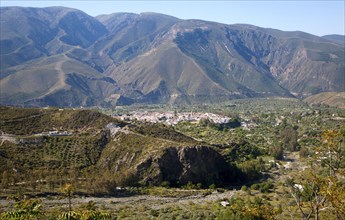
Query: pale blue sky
[[315, 17]]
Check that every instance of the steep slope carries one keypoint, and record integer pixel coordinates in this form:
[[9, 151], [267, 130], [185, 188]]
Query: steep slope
[[57, 81], [129, 36], [177, 68], [219, 50], [238, 60], [63, 57], [302, 63], [38, 63], [28, 33]]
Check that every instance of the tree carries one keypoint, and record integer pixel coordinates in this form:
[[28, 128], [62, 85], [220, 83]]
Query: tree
[[320, 190], [277, 152], [5, 179], [332, 152], [309, 195], [68, 190], [288, 137]]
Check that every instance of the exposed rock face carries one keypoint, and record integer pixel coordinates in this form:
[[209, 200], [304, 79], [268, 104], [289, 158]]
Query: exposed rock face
[[64, 57], [179, 165]]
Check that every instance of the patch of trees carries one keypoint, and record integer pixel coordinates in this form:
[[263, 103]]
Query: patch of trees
[[240, 152], [246, 158], [233, 123]]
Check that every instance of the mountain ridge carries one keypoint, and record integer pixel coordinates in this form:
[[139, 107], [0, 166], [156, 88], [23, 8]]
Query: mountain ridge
[[335, 38], [126, 58]]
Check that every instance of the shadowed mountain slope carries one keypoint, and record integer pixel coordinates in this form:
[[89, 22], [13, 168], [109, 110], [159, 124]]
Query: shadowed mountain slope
[[64, 57]]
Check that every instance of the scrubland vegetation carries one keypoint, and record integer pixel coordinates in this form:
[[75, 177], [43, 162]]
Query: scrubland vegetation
[[287, 162]]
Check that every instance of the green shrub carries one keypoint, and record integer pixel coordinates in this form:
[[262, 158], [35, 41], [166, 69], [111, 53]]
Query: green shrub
[[255, 186], [277, 152], [165, 184], [212, 186], [198, 185], [303, 152], [252, 169], [266, 186], [191, 185], [154, 213], [244, 188]]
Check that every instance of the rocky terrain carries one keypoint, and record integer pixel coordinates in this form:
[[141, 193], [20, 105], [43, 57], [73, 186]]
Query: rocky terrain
[[64, 57]]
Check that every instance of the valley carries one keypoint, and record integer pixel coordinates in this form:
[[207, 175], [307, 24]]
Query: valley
[[149, 116], [130, 169]]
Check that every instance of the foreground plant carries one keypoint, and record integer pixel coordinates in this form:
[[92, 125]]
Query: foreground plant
[[25, 209], [322, 187]]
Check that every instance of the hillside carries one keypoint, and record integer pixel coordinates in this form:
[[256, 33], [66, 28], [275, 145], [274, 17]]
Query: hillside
[[61, 143], [335, 38], [64, 57], [327, 98], [133, 169]]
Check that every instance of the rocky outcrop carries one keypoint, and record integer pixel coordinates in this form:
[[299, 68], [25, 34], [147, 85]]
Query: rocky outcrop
[[179, 165]]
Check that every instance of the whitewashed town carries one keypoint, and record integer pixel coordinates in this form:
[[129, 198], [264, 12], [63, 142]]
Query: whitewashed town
[[172, 118]]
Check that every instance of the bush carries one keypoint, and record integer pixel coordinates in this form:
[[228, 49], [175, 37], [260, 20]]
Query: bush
[[242, 209], [255, 186], [165, 184], [277, 152], [154, 213], [266, 186], [212, 186], [263, 187], [303, 152], [191, 185], [244, 188], [252, 169], [198, 185]]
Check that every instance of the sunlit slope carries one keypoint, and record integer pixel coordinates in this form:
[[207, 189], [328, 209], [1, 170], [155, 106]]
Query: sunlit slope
[[336, 99], [64, 57]]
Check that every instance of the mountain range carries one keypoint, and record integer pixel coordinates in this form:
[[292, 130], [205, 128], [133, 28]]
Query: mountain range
[[63, 57]]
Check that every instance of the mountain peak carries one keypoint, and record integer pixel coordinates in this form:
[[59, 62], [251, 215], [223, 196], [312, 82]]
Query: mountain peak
[[157, 15], [64, 57]]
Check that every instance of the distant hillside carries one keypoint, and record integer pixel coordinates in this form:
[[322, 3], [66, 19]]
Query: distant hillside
[[327, 98], [335, 38], [64, 57]]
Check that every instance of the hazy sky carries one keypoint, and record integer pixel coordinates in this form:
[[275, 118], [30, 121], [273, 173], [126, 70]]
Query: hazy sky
[[315, 17]]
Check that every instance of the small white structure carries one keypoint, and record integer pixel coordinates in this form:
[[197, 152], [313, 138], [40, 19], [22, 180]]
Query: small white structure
[[299, 187], [224, 203]]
